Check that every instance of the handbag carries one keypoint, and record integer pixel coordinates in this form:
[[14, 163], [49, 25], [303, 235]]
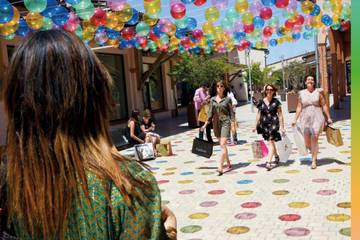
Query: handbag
[[333, 136], [284, 148], [202, 148], [164, 148], [299, 140], [203, 117], [259, 149], [144, 152]]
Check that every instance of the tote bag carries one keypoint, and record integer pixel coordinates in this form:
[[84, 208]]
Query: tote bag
[[259, 149], [284, 148], [202, 148], [144, 152], [299, 140], [333, 136]]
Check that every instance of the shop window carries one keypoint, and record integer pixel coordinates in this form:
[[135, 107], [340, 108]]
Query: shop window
[[153, 91], [115, 65]]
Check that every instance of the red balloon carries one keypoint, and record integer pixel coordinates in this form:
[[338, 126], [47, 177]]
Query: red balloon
[[248, 28], [243, 44], [299, 20], [127, 33], [199, 2], [197, 34], [345, 25], [153, 36], [281, 3], [268, 31], [288, 24], [99, 17], [185, 42], [266, 13], [178, 10]]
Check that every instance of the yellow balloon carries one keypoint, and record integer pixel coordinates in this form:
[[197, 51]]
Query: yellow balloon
[[113, 42], [218, 32], [87, 35], [119, 26], [149, 21], [208, 27], [316, 22], [307, 7], [34, 20], [174, 40], [247, 18], [125, 14], [172, 30], [88, 26], [7, 30], [212, 14], [152, 7], [241, 6], [281, 40], [111, 20]]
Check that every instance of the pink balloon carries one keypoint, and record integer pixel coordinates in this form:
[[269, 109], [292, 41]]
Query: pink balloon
[[249, 28], [220, 4], [72, 23], [199, 2], [116, 5], [239, 26], [255, 8], [178, 10], [197, 34], [293, 4], [265, 13]]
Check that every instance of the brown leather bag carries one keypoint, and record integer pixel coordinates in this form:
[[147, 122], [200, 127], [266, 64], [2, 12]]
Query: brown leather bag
[[216, 124]]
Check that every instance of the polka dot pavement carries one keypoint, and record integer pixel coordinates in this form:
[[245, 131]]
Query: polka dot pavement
[[291, 201]]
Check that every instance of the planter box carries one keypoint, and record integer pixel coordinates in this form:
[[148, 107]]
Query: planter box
[[191, 116], [292, 101]]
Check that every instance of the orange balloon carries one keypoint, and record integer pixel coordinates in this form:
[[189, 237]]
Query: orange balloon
[[34, 20]]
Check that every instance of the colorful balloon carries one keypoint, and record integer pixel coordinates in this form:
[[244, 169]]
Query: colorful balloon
[[212, 14], [220, 4], [135, 17], [307, 7], [128, 33], [125, 14], [315, 11], [199, 2], [265, 13], [232, 14], [241, 6], [187, 1], [258, 22], [268, 3], [23, 28], [149, 20], [326, 20], [35, 6], [142, 29], [281, 3], [197, 34], [116, 5], [99, 17], [247, 18], [85, 13], [34, 20], [6, 12], [111, 20], [249, 28], [268, 31], [273, 42], [208, 27], [178, 10]]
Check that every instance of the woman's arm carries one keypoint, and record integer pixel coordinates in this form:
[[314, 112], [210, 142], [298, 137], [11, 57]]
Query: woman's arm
[[231, 110], [132, 132], [144, 129], [325, 107], [281, 119]]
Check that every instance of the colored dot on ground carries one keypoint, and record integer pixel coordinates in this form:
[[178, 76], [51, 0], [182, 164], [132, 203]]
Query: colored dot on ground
[[297, 232], [187, 191], [281, 192], [292, 171], [345, 232], [298, 204], [208, 204], [185, 181], [289, 217], [244, 192], [216, 192], [245, 181], [344, 205], [168, 173], [281, 180], [251, 205], [245, 216], [338, 217], [212, 181], [326, 192], [198, 215], [320, 180], [191, 229], [238, 230], [186, 173], [334, 170], [170, 169]]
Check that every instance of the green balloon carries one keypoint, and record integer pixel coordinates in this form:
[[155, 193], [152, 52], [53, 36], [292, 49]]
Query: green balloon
[[10, 37], [336, 26], [48, 24], [226, 23], [35, 5], [164, 39], [79, 32], [83, 4], [86, 13], [181, 23], [142, 29]]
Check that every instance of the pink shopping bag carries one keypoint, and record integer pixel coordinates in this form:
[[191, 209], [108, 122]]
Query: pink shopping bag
[[264, 149]]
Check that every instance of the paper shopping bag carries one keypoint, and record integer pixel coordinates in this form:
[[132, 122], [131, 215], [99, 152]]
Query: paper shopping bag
[[333, 136], [284, 148], [202, 147], [299, 141], [203, 117], [164, 148], [259, 149], [144, 152]]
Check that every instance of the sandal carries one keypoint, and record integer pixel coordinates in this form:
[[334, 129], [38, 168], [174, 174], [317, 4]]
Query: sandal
[[268, 166], [220, 172], [277, 159]]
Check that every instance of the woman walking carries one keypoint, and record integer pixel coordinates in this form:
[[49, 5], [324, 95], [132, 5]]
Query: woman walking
[[222, 111], [64, 177], [269, 120], [310, 109]]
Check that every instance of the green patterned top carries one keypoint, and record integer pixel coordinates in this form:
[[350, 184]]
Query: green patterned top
[[88, 221]]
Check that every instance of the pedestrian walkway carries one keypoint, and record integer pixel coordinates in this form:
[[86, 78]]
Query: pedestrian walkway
[[291, 201]]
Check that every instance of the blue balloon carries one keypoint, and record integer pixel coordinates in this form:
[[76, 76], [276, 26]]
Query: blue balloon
[[188, 1], [157, 30], [307, 35], [101, 29], [6, 11], [134, 19], [23, 28], [258, 22], [50, 8], [296, 36], [112, 34], [180, 33], [316, 10], [60, 15], [279, 33], [191, 23], [238, 35], [268, 3], [273, 42], [327, 20]]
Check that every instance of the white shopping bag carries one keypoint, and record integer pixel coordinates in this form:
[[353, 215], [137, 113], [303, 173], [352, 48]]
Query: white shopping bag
[[299, 140], [284, 148], [144, 152]]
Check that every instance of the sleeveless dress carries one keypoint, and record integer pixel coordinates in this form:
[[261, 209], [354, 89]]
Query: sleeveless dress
[[312, 117]]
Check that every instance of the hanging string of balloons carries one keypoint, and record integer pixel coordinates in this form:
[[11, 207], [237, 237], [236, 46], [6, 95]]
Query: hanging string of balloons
[[258, 23]]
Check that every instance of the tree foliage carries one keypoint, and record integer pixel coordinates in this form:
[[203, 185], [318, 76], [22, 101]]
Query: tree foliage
[[261, 77], [197, 69], [294, 74]]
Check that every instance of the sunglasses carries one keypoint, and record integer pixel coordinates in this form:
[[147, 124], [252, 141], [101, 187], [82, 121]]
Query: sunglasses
[[269, 90], [220, 86]]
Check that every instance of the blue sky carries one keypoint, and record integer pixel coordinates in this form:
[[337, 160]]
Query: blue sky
[[287, 49]]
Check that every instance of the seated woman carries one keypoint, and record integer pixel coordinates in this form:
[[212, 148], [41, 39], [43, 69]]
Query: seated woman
[[136, 135], [148, 127]]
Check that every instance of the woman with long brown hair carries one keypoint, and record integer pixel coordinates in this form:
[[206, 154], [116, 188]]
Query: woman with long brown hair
[[221, 108], [63, 174], [310, 109]]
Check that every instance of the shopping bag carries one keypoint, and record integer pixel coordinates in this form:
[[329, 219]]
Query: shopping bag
[[144, 152], [164, 148], [299, 140], [333, 136], [259, 149], [284, 148], [202, 148], [203, 117], [216, 124]]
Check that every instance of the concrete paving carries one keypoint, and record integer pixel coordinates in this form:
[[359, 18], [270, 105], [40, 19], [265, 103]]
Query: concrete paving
[[291, 201]]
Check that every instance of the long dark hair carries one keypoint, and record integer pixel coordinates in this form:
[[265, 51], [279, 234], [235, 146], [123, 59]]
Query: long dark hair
[[57, 97]]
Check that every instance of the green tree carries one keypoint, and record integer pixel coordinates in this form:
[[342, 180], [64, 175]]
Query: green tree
[[294, 74], [261, 77], [196, 69]]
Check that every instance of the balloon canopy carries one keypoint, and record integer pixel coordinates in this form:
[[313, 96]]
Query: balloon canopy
[[194, 26]]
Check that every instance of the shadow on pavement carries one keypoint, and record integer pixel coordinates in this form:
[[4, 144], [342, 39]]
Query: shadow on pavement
[[344, 111], [323, 161]]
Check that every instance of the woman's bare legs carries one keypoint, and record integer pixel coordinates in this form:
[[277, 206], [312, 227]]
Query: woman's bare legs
[[314, 149], [224, 155]]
